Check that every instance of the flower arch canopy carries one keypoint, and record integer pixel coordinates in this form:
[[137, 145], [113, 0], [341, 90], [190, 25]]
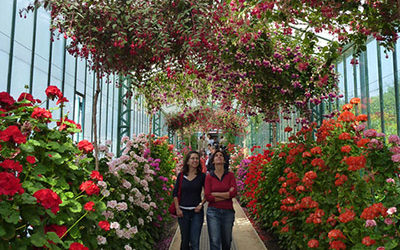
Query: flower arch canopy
[[243, 52], [205, 119]]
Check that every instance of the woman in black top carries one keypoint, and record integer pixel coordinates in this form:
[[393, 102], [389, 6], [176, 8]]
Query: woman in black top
[[190, 207]]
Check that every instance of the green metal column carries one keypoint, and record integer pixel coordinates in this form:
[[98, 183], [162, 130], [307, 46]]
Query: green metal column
[[380, 81], [124, 112], [355, 81], [157, 124], [396, 89], [11, 55]]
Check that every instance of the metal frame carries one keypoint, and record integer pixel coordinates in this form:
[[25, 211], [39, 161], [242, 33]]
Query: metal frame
[[124, 112]]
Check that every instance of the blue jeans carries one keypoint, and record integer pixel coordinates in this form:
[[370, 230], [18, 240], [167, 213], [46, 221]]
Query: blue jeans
[[190, 225], [219, 225]]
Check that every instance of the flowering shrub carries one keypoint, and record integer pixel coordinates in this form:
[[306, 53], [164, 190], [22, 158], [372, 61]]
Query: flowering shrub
[[137, 186], [338, 191], [46, 183]]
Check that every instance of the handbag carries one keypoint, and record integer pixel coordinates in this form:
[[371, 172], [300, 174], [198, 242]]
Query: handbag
[[172, 208]]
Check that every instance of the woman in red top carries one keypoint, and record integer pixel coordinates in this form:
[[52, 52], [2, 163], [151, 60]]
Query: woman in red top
[[220, 187]]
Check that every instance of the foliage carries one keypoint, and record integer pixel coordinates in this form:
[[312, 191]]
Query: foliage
[[345, 21], [340, 190], [42, 195], [205, 119], [139, 186], [262, 68]]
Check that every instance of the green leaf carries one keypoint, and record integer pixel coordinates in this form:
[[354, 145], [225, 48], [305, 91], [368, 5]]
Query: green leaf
[[34, 142], [53, 145], [2, 231], [76, 207], [28, 199], [54, 135], [69, 194], [38, 239], [13, 217], [27, 148], [53, 237]]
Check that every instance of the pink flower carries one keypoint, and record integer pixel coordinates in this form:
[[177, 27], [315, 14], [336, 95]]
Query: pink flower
[[394, 139], [390, 180], [370, 223], [380, 248], [389, 221], [370, 133], [391, 210], [396, 158]]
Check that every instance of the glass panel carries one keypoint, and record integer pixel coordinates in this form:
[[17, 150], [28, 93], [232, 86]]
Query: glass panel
[[349, 77], [20, 77], [373, 85], [389, 106], [79, 115], [3, 70], [6, 18], [340, 71]]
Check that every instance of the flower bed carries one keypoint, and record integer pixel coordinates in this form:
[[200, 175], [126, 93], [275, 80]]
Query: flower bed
[[338, 191], [51, 197]]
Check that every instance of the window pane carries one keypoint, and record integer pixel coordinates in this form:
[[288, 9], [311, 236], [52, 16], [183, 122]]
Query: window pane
[[373, 85], [389, 107]]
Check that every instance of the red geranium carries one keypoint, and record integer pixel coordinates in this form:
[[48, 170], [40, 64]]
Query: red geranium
[[77, 246], [347, 216], [59, 230], [104, 225], [61, 99], [89, 187], [368, 241], [336, 234], [48, 199], [337, 244], [12, 133], [6, 100], [89, 206], [313, 243], [65, 123], [31, 159], [85, 146], [13, 165], [26, 96], [346, 149], [41, 113], [53, 92], [96, 175], [9, 184]]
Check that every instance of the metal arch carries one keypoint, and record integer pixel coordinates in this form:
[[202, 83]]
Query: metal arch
[[124, 112]]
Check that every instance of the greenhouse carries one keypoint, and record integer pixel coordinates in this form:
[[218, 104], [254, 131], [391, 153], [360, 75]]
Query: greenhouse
[[199, 124]]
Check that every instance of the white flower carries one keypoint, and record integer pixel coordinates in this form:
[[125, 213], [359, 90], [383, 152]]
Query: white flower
[[105, 193], [141, 221], [102, 184], [122, 206], [101, 240], [127, 247], [112, 204], [114, 225]]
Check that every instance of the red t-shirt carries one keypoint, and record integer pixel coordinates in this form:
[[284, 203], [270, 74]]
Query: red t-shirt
[[213, 184]]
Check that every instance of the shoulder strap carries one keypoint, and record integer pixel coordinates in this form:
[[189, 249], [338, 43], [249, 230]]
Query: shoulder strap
[[180, 184]]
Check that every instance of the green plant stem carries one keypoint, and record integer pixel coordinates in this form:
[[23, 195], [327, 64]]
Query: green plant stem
[[76, 222], [20, 227]]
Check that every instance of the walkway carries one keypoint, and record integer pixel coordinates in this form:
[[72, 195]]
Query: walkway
[[244, 235]]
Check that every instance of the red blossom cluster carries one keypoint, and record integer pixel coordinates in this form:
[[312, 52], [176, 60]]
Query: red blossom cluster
[[48, 199], [85, 146], [374, 211], [356, 162]]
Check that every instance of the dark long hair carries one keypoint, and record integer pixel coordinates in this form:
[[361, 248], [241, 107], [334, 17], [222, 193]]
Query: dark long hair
[[226, 158], [185, 168]]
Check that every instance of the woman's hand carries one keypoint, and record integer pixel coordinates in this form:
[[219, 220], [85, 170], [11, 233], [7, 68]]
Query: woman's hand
[[179, 212], [198, 208]]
